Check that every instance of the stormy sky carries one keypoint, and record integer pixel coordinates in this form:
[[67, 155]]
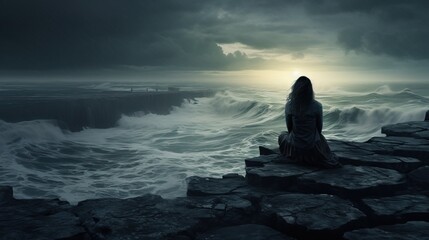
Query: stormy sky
[[221, 35]]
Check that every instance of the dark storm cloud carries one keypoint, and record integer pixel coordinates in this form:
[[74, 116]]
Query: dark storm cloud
[[392, 28], [76, 34], [68, 34]]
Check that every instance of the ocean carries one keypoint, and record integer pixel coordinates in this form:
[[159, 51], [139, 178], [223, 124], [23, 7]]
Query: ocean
[[146, 152]]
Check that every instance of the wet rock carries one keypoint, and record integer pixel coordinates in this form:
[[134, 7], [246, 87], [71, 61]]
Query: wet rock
[[401, 164], [422, 134], [404, 146], [410, 230], [311, 215], [417, 151], [227, 209], [260, 161], [340, 146], [408, 129], [38, 219], [353, 181], [268, 151], [276, 175], [222, 203], [370, 147], [427, 116], [199, 186], [152, 217], [420, 176], [244, 232], [146, 217], [408, 207]]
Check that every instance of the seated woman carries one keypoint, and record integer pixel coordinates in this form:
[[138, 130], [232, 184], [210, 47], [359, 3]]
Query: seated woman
[[304, 142]]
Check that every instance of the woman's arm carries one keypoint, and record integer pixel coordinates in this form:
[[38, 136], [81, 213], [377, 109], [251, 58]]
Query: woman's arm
[[289, 124], [319, 119], [288, 118]]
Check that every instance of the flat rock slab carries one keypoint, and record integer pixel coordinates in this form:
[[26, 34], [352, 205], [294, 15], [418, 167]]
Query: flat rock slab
[[152, 217], [305, 214], [407, 129], [262, 160], [400, 207], [394, 141], [420, 176], [276, 175], [356, 181], [404, 146], [408, 231], [419, 151], [340, 146], [223, 203], [398, 163], [244, 232], [38, 219], [147, 217], [369, 147], [200, 186]]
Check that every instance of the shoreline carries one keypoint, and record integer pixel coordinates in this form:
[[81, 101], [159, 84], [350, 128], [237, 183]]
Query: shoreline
[[382, 191]]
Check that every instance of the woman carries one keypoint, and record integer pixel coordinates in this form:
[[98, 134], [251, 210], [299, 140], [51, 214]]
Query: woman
[[304, 142]]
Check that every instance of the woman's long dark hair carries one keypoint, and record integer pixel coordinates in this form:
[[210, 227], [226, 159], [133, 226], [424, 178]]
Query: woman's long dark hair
[[301, 95]]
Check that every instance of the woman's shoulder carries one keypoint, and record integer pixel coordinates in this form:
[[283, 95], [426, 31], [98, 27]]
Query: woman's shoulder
[[317, 105]]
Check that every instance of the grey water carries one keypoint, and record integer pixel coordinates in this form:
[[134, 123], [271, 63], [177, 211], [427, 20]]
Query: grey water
[[155, 153]]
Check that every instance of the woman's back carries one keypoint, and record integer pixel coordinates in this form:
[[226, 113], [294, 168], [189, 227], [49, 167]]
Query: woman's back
[[306, 125]]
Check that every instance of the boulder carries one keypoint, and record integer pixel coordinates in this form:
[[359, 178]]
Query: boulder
[[408, 231]]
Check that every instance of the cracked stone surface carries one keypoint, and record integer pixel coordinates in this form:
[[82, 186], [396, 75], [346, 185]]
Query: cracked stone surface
[[399, 206], [260, 161], [312, 212], [420, 176], [348, 179], [276, 175], [401, 164], [409, 231], [244, 232], [407, 129], [200, 186], [152, 217]]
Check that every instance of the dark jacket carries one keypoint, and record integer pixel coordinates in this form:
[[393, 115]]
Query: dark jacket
[[304, 126]]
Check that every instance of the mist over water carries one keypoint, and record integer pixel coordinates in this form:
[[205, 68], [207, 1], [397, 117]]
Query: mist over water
[[150, 153]]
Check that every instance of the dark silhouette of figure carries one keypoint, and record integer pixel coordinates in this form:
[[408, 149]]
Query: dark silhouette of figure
[[304, 142]]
